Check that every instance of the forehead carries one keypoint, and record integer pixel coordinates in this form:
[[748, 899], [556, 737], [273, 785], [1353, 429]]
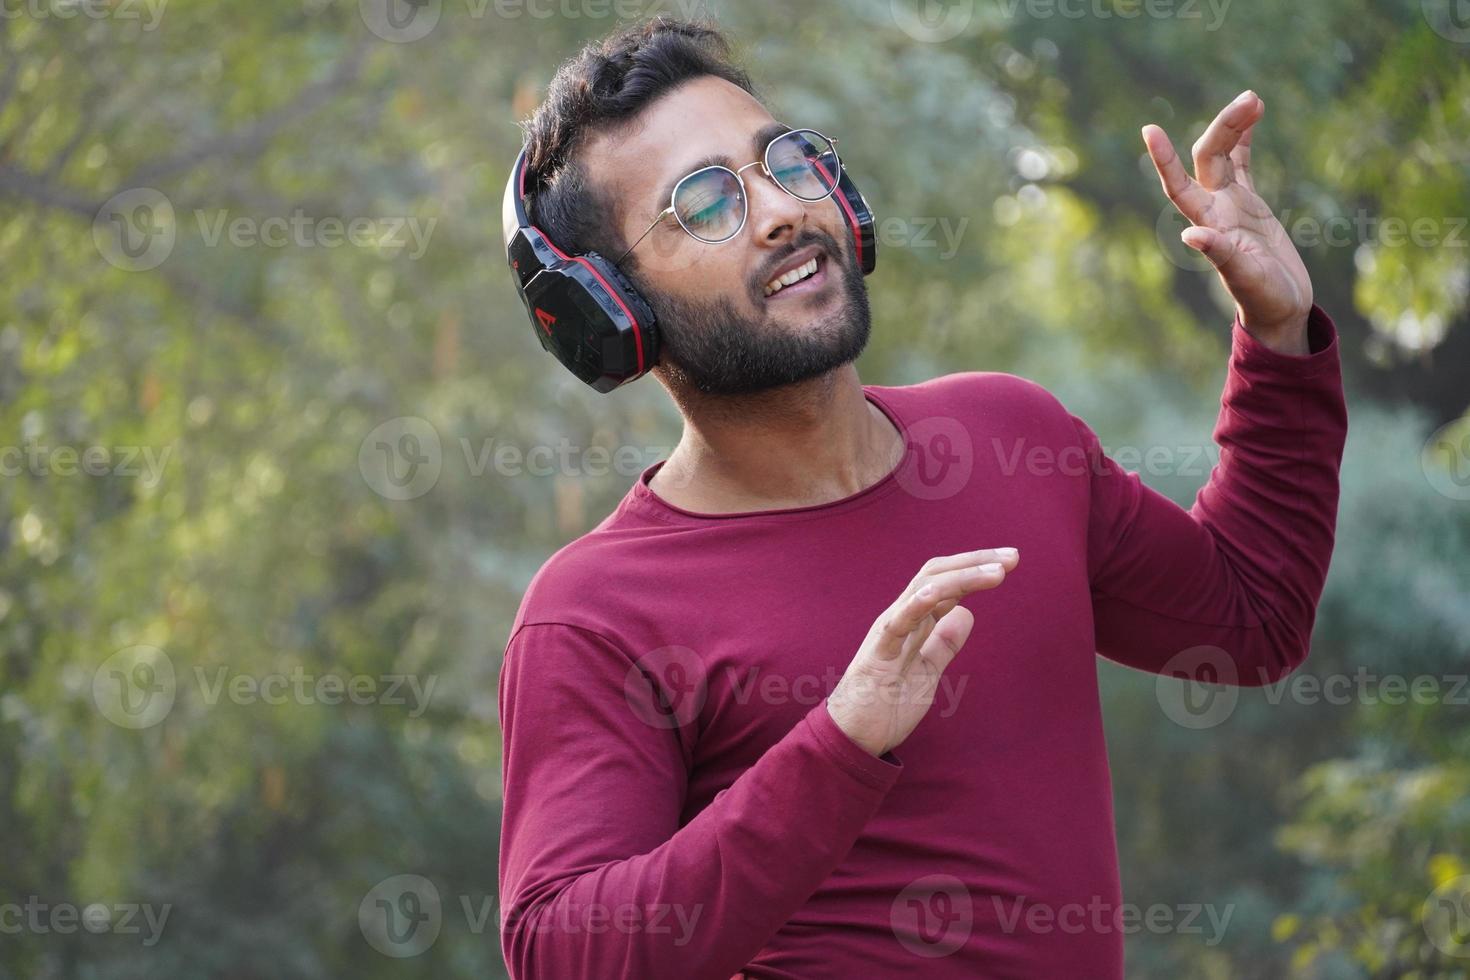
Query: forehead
[[700, 118]]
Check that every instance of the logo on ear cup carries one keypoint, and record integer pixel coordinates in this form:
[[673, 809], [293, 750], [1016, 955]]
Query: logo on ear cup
[[546, 320]]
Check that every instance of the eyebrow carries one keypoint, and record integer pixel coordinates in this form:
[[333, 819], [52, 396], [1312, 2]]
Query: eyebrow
[[758, 142]]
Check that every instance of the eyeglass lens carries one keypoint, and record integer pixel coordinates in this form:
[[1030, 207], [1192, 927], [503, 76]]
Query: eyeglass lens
[[711, 204]]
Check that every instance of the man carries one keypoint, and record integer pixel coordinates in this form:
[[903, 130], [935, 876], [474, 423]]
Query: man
[[683, 798]]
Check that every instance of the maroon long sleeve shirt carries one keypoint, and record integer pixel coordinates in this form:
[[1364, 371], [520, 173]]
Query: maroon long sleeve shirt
[[679, 803]]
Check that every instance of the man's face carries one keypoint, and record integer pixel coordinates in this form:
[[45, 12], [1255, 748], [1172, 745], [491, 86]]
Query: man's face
[[720, 332]]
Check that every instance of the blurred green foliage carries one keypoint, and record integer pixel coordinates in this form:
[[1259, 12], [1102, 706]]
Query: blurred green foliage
[[1026, 233]]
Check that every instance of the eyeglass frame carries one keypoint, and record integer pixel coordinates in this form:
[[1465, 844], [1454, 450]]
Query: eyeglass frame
[[764, 164]]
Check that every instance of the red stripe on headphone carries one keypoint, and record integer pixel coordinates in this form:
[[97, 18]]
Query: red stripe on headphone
[[857, 231], [637, 333]]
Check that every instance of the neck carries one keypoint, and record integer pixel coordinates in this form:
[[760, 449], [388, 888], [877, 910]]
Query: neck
[[796, 446]]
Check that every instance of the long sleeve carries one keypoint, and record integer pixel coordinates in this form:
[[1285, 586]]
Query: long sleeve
[[597, 877], [1242, 570]]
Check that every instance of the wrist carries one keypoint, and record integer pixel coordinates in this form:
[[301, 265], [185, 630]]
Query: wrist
[[1284, 337], [845, 726]]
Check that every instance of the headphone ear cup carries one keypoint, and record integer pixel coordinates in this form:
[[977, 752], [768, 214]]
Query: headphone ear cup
[[629, 295], [861, 221]]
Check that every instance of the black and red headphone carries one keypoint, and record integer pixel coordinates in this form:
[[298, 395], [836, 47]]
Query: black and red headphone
[[586, 312]]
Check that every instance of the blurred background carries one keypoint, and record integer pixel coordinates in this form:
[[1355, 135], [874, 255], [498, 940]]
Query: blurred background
[[280, 451]]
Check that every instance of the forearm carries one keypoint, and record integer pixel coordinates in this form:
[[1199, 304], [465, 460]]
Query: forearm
[[1243, 569], [598, 881]]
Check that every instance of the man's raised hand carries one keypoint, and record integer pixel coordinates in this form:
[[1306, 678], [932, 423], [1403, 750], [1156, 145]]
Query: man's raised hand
[[1235, 229]]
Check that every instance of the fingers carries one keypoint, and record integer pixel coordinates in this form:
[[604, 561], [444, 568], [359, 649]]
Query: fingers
[[1190, 198], [1212, 161], [1218, 248], [1007, 557], [1240, 157], [909, 613], [950, 633]]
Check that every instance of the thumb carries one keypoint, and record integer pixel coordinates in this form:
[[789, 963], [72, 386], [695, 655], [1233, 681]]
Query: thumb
[[949, 634], [1214, 246]]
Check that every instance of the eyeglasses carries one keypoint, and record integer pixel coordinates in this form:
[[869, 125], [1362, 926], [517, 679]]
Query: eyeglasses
[[711, 204]]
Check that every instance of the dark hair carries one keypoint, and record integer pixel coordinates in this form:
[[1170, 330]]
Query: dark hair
[[606, 85]]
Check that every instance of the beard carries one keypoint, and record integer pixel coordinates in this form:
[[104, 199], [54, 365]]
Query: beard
[[714, 349]]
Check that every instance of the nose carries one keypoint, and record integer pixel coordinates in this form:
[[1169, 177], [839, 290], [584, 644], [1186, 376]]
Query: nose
[[775, 216]]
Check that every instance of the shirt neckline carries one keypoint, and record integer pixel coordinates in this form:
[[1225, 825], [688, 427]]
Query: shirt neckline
[[644, 499]]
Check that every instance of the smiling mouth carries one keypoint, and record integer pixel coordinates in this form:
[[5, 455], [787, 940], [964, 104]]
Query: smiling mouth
[[803, 279]]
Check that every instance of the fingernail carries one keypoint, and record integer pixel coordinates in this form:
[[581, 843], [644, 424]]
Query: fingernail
[[1007, 552], [1243, 96], [991, 568]]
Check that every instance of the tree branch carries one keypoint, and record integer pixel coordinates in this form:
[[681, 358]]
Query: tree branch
[[251, 140]]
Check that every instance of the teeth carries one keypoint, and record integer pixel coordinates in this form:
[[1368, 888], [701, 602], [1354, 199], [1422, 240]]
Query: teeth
[[795, 275]]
